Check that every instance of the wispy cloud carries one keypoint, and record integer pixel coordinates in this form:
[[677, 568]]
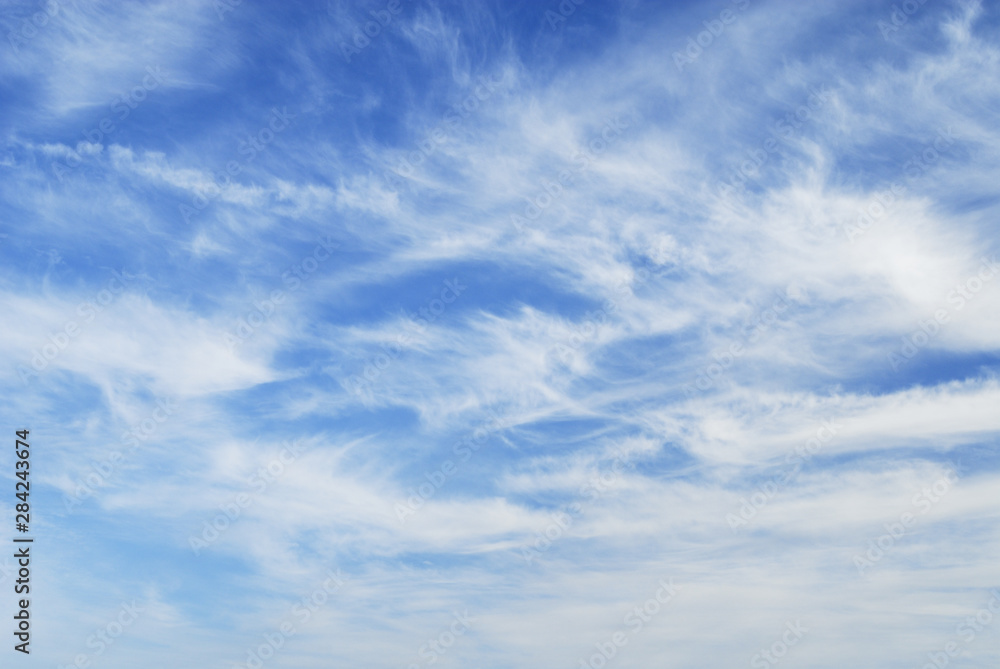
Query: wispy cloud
[[566, 303]]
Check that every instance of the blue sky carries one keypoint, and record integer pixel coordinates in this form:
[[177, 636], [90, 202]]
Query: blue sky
[[498, 322]]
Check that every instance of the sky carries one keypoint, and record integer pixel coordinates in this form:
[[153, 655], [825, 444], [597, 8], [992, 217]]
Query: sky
[[502, 334]]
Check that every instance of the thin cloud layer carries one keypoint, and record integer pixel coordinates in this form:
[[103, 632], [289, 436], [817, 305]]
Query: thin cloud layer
[[571, 334]]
